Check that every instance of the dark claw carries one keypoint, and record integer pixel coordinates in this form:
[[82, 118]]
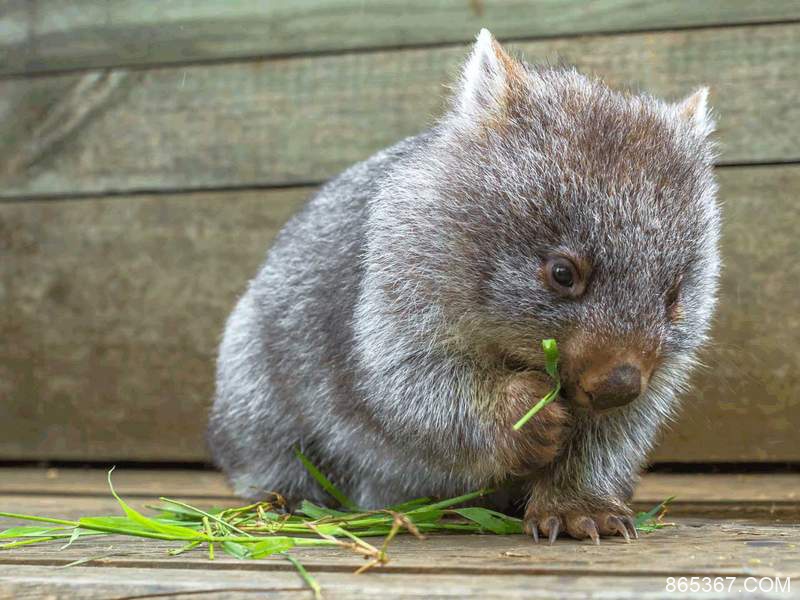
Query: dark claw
[[616, 525], [552, 524], [631, 525], [590, 529]]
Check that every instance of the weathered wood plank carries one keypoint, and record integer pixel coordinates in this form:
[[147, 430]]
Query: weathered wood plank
[[301, 120], [719, 546], [25, 582], [39, 36], [745, 404], [736, 488], [129, 482], [114, 308]]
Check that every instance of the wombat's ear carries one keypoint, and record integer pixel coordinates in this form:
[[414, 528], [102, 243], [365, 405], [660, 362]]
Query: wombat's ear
[[487, 80], [695, 111]]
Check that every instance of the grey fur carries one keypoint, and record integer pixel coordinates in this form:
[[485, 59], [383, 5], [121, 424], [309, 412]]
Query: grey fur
[[378, 332]]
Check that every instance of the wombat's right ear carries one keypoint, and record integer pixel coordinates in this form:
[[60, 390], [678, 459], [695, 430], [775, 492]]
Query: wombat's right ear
[[696, 112], [487, 80]]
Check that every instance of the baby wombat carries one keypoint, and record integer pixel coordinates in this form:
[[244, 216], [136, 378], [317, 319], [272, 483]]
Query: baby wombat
[[394, 332]]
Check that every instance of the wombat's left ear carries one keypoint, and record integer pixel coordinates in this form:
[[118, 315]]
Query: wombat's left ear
[[696, 112]]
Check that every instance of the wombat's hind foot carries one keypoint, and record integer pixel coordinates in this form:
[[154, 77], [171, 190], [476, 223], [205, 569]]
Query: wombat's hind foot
[[580, 526]]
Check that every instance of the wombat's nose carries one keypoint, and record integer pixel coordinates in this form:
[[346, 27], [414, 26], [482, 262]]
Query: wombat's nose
[[617, 387]]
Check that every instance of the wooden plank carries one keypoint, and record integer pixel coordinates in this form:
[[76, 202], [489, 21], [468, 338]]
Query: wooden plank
[[744, 405], [24, 582], [694, 546], [302, 120], [737, 488], [448, 565], [115, 307], [690, 548], [129, 482], [38, 36]]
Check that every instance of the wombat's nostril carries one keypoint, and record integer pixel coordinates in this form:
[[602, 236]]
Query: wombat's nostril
[[617, 387]]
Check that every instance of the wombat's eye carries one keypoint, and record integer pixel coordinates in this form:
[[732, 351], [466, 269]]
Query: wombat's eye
[[563, 276]]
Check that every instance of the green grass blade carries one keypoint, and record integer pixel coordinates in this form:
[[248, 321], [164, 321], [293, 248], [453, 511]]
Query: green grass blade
[[490, 520], [178, 531], [326, 484], [20, 517], [26, 542], [410, 505], [236, 550], [83, 561], [271, 546], [550, 349], [30, 531], [649, 521], [310, 581], [318, 512], [453, 501], [204, 514], [75, 533]]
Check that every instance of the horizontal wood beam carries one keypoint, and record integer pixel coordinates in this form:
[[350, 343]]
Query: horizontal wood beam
[[290, 121], [111, 310], [39, 36]]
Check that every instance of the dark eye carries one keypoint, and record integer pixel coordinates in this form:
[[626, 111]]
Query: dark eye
[[563, 276]]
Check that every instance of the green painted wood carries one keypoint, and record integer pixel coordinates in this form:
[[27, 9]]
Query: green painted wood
[[41, 35], [111, 309], [290, 121]]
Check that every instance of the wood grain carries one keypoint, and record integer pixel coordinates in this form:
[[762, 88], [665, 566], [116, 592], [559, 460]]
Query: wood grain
[[479, 566], [92, 583], [38, 36], [717, 549], [284, 121], [114, 307], [73, 492], [130, 482], [745, 405]]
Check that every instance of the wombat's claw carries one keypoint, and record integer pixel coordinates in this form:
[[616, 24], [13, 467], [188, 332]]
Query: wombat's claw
[[586, 527], [613, 525], [580, 526], [531, 527], [631, 525], [551, 525], [616, 526]]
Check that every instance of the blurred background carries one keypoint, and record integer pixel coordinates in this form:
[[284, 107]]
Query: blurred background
[[151, 149]]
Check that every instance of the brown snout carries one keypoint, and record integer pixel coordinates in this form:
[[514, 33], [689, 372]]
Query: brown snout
[[617, 385]]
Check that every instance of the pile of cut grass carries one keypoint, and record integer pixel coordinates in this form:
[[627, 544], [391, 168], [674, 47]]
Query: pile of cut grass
[[264, 528]]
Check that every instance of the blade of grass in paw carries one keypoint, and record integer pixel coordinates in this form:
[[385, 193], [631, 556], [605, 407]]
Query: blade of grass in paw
[[551, 367]]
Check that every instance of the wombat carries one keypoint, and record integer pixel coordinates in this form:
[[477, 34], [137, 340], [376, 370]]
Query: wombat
[[393, 333]]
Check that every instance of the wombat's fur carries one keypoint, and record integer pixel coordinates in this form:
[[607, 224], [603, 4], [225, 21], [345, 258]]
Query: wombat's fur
[[394, 331]]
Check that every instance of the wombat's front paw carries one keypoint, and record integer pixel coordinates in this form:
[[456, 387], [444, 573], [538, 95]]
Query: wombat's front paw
[[580, 524], [537, 443]]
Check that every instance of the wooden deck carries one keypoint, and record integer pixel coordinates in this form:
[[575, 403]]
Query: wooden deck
[[736, 526]]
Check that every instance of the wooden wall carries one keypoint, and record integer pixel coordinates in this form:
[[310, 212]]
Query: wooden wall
[[150, 150]]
